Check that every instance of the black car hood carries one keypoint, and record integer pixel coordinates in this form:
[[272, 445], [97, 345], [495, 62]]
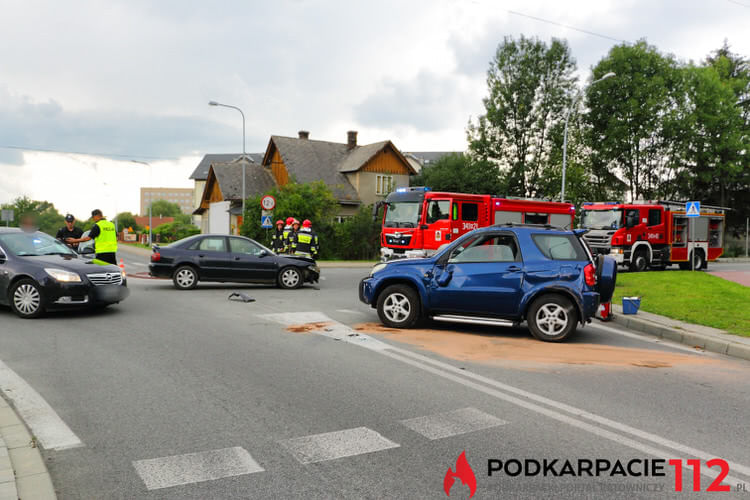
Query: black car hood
[[71, 263], [296, 258]]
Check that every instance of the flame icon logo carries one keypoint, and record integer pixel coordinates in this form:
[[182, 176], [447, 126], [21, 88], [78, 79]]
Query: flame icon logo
[[464, 473]]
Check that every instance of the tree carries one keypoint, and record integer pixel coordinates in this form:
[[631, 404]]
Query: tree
[[48, 218], [126, 220], [634, 118], [164, 208], [460, 173], [173, 231], [313, 201], [530, 86], [357, 237]]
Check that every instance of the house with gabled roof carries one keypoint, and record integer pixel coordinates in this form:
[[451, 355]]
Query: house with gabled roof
[[357, 175]]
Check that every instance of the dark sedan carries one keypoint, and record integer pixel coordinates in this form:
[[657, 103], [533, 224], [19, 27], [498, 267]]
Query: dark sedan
[[39, 273], [222, 258]]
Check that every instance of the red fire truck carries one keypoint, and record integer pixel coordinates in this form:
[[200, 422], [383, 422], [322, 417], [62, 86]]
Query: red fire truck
[[654, 233], [418, 221]]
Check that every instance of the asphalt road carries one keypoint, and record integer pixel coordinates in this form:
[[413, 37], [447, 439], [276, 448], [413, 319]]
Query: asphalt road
[[189, 395]]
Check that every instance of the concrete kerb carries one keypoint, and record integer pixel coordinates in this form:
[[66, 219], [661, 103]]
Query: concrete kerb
[[706, 338], [23, 473]]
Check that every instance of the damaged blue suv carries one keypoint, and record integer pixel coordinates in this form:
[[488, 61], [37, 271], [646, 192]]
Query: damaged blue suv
[[499, 275]]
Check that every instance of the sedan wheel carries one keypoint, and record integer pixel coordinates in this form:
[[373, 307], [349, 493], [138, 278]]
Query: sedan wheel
[[290, 277], [26, 299], [552, 318], [185, 278]]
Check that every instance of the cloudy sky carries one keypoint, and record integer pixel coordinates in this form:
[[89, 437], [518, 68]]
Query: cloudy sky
[[130, 80]]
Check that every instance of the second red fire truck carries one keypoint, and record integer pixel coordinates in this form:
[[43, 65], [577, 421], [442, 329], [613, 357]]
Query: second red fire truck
[[654, 234], [418, 221]]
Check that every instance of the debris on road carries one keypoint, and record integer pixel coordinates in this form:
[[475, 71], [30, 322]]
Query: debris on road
[[240, 297], [308, 327]]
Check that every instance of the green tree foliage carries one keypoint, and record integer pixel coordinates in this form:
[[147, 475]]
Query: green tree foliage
[[173, 231], [358, 237], [164, 208], [126, 220], [635, 118], [313, 201], [46, 215], [530, 86], [460, 173]]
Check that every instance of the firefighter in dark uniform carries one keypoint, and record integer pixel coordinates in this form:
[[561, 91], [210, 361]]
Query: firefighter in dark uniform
[[104, 235], [70, 230], [286, 233], [305, 241], [277, 238]]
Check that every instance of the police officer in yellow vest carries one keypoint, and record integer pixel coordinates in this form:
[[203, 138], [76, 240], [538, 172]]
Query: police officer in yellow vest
[[104, 235], [305, 241]]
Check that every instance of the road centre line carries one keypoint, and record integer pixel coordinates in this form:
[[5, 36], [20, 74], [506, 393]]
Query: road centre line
[[45, 424], [460, 376]]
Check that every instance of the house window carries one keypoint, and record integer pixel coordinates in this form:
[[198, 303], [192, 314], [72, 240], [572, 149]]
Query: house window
[[384, 184]]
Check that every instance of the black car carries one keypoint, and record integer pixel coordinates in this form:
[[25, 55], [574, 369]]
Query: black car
[[223, 258], [39, 273]]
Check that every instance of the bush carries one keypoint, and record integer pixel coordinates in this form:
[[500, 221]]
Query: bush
[[174, 231], [358, 238]]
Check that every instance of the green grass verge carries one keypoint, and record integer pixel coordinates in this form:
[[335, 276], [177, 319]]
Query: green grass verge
[[693, 297]]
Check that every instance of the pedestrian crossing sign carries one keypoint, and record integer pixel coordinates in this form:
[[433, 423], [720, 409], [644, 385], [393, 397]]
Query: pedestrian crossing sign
[[693, 209], [265, 222]]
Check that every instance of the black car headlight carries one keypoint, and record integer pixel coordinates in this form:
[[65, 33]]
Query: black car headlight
[[62, 275]]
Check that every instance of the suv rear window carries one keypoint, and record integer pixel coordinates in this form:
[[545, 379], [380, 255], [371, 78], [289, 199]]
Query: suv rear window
[[559, 246]]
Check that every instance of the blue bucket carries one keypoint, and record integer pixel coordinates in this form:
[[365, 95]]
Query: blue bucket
[[630, 305]]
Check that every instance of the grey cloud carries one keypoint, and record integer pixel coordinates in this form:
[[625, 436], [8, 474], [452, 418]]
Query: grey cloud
[[429, 102]]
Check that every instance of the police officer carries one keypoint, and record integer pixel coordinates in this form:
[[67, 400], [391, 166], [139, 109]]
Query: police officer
[[277, 238], [287, 233], [104, 235], [305, 241], [69, 230]]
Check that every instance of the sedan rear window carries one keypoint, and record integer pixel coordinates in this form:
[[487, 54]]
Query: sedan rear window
[[559, 246]]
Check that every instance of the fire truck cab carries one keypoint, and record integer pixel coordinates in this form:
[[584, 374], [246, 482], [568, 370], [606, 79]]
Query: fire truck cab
[[654, 234], [418, 221]]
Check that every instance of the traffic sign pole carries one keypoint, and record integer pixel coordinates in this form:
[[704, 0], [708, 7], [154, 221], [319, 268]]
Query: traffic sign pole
[[692, 210]]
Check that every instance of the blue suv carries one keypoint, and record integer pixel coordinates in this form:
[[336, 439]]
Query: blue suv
[[498, 275]]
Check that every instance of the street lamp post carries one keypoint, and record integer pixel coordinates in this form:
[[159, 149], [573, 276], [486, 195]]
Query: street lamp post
[[244, 155], [565, 133]]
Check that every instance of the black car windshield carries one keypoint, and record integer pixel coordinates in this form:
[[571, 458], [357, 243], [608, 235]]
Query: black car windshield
[[402, 214], [33, 244], [602, 219]]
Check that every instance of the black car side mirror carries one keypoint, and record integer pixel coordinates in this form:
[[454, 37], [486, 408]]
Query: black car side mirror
[[263, 253], [87, 251], [3, 258]]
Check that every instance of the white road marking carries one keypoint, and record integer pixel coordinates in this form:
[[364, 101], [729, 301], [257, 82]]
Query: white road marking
[[191, 468], [338, 444], [469, 379], [334, 329], [452, 423], [49, 429], [654, 340], [348, 311]]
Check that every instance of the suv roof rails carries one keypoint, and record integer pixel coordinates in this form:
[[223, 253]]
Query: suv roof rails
[[545, 226]]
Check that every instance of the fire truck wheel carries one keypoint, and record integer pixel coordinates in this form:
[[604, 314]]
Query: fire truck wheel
[[698, 259], [639, 262], [399, 307], [552, 318]]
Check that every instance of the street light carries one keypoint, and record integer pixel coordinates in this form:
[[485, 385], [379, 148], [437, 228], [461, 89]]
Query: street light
[[565, 134], [244, 156]]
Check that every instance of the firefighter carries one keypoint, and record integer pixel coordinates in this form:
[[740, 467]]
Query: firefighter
[[277, 238], [305, 241], [285, 235]]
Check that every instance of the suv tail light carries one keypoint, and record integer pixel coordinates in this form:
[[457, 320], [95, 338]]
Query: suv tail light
[[155, 257], [589, 274]]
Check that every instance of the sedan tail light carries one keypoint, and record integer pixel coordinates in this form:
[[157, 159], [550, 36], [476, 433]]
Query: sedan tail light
[[589, 274], [155, 257]]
